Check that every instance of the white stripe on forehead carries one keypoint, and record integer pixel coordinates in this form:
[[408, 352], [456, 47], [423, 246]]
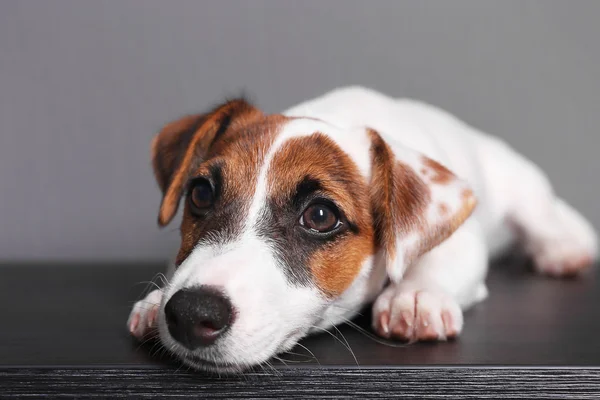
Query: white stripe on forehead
[[355, 142]]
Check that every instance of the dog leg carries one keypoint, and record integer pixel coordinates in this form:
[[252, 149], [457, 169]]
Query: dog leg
[[426, 304], [560, 240], [142, 319]]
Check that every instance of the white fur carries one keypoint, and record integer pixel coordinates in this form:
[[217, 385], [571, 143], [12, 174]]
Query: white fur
[[511, 190], [426, 303], [248, 273]]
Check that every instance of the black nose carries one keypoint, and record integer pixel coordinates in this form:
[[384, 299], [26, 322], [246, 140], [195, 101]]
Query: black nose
[[198, 316]]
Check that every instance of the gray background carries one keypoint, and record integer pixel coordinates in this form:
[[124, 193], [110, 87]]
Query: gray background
[[85, 84]]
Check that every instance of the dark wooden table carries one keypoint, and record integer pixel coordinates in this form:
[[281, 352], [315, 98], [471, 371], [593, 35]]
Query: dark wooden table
[[63, 333]]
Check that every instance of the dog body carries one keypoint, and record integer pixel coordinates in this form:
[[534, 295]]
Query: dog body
[[294, 222]]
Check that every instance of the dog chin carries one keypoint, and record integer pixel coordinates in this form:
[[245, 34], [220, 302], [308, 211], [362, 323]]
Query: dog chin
[[201, 364], [204, 365]]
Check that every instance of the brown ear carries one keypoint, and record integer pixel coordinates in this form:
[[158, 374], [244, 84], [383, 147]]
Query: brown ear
[[416, 203], [183, 143]]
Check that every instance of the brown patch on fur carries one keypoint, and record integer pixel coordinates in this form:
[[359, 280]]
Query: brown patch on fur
[[441, 175], [242, 152], [183, 142], [334, 265], [434, 235], [400, 200], [231, 140], [168, 147], [239, 154], [398, 197], [410, 198]]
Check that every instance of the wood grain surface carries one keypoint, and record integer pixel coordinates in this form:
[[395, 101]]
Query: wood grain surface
[[63, 334], [306, 383]]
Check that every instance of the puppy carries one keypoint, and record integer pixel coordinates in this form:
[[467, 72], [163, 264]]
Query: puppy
[[293, 222]]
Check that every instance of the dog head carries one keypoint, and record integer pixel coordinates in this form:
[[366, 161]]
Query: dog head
[[290, 225]]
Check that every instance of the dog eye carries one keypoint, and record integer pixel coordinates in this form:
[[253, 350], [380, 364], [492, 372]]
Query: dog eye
[[201, 195], [320, 218]]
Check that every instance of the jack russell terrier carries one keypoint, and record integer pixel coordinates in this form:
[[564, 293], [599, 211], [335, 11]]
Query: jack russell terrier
[[294, 222]]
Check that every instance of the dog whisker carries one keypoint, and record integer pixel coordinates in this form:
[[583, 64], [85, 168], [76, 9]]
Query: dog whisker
[[275, 371], [163, 278], [148, 337], [154, 352], [148, 284], [376, 338], [339, 340], [311, 353], [282, 360], [296, 354], [347, 344], [285, 361]]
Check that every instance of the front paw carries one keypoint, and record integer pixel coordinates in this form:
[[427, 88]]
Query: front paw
[[142, 319], [410, 314]]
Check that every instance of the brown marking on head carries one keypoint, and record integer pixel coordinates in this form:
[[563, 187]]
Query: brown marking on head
[[184, 142], [410, 198], [440, 174], [168, 147], [401, 198], [398, 196], [237, 156], [241, 151], [334, 262], [226, 144], [335, 267]]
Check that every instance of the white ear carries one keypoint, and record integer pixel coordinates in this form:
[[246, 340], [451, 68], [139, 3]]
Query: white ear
[[417, 203]]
